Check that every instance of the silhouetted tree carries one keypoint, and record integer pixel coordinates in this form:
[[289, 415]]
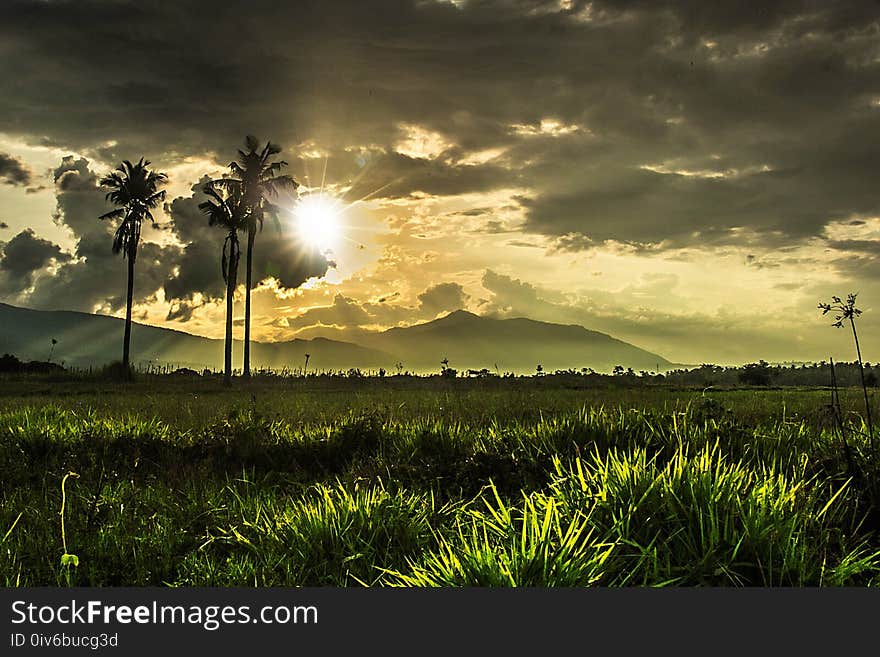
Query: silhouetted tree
[[846, 311], [756, 374], [135, 189], [258, 178], [229, 213]]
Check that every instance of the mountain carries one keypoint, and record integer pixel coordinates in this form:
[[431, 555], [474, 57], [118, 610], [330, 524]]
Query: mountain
[[468, 341], [93, 340]]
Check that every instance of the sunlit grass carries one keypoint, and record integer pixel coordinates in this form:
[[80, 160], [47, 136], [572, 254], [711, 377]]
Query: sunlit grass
[[429, 488]]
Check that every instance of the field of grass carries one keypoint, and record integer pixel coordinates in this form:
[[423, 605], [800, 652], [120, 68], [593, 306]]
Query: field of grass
[[427, 483]]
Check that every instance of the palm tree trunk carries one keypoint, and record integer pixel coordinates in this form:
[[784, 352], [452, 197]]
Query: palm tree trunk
[[864, 387], [247, 301], [227, 356], [231, 280], [126, 340]]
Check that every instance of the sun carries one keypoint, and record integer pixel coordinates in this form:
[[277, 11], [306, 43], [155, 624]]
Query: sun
[[317, 220]]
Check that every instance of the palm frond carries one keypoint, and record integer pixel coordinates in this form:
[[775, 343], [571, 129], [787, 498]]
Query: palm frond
[[113, 214], [210, 190], [112, 179], [269, 150], [154, 199], [120, 239], [279, 183], [251, 143], [226, 183], [272, 169]]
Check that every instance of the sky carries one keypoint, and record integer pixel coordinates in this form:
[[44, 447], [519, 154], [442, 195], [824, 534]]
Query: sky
[[687, 176]]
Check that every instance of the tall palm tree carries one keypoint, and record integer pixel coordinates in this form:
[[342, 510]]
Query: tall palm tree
[[135, 189], [229, 213], [258, 179]]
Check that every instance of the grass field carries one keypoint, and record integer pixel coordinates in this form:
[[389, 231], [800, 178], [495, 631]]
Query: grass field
[[412, 482]]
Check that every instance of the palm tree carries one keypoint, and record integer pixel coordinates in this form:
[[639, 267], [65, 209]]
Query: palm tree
[[258, 179], [134, 188], [229, 213]]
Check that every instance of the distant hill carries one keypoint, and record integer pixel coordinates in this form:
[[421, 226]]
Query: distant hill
[[518, 345], [467, 340], [85, 339]]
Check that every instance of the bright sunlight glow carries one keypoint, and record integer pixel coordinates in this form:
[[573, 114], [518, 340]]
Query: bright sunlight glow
[[317, 220]]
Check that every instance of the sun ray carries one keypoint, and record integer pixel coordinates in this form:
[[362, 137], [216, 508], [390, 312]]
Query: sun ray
[[324, 174]]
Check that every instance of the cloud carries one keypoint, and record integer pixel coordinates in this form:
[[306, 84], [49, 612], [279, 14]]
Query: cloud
[[182, 259], [278, 256], [393, 175], [347, 318], [665, 123], [22, 257], [94, 277], [510, 296], [343, 312], [443, 297], [14, 172]]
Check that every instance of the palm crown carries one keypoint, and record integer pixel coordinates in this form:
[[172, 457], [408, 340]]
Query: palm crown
[[257, 177], [134, 188], [230, 213]]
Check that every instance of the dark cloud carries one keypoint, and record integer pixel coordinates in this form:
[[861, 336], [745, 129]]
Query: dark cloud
[[392, 175], [95, 277], [79, 202], [344, 312], [444, 297], [510, 296], [864, 246], [759, 117], [186, 266], [199, 268], [22, 257], [25, 253], [346, 318], [752, 116], [14, 172], [278, 255]]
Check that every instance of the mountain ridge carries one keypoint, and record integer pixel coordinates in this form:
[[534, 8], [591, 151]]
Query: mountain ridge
[[466, 340]]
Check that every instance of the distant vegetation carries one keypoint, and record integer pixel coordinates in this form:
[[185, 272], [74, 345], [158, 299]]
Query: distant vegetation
[[9, 364], [760, 374]]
